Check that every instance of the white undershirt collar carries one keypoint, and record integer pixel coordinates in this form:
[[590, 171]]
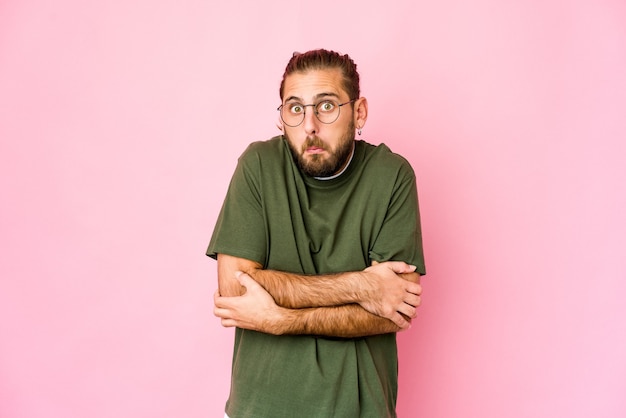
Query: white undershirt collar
[[334, 176]]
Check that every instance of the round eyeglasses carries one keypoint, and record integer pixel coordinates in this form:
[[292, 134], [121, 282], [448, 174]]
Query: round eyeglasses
[[326, 111]]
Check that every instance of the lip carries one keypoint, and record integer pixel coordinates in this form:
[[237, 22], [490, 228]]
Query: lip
[[315, 150]]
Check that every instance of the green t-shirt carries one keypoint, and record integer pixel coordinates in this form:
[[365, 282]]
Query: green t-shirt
[[275, 215]]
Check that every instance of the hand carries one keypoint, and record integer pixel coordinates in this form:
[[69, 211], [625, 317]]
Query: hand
[[384, 292], [255, 309]]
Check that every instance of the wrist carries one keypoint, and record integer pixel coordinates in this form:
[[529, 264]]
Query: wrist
[[281, 322], [362, 288], [350, 287]]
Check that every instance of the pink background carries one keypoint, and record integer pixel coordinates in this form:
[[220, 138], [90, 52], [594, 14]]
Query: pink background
[[120, 125]]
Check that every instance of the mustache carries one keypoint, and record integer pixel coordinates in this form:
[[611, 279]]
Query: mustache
[[313, 141]]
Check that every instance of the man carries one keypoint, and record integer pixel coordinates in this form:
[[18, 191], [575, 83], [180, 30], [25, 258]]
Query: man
[[318, 248]]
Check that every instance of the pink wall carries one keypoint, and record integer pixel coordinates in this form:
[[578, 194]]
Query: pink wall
[[120, 124]]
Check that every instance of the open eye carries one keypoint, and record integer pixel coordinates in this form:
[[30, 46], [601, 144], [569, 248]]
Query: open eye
[[326, 106], [296, 108]]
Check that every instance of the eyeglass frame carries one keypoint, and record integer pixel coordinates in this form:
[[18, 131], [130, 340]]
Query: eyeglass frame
[[314, 105]]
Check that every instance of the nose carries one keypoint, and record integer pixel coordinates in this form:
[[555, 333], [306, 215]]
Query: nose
[[310, 122]]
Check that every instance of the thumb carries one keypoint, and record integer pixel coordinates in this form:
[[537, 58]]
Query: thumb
[[245, 280]]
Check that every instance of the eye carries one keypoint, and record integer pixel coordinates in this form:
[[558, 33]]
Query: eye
[[296, 108], [326, 106]]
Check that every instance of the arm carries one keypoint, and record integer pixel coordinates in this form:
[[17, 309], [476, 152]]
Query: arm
[[384, 289], [321, 305], [256, 310]]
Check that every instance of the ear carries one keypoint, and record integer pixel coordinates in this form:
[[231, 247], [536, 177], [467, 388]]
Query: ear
[[360, 113], [279, 124]]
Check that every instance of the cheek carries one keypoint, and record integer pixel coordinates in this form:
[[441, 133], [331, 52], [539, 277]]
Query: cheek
[[295, 138]]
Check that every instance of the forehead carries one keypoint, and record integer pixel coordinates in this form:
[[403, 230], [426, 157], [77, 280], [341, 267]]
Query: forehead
[[310, 85]]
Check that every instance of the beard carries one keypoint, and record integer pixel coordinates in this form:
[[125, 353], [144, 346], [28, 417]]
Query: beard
[[318, 166]]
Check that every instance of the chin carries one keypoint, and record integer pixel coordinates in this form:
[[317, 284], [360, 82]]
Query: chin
[[318, 168]]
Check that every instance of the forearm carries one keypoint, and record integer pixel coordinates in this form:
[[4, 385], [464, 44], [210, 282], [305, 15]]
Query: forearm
[[256, 310], [348, 321], [296, 291], [289, 290], [362, 301]]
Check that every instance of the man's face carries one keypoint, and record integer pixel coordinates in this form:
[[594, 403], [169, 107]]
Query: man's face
[[319, 149]]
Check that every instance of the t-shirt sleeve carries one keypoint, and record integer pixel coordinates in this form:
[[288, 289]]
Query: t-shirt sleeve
[[400, 237], [240, 227]]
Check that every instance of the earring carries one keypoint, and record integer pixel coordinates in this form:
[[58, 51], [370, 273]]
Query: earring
[[359, 131]]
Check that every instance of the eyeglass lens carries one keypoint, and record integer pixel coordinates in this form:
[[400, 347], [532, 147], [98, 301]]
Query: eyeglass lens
[[327, 111]]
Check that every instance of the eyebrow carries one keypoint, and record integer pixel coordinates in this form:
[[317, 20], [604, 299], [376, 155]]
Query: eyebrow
[[317, 97]]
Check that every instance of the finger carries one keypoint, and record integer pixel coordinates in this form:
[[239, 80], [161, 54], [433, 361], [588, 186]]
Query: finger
[[400, 321], [408, 310], [413, 300], [401, 267], [217, 300], [220, 312], [227, 322], [414, 288], [245, 280], [224, 302]]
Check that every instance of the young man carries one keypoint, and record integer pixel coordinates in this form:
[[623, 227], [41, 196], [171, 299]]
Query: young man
[[319, 256]]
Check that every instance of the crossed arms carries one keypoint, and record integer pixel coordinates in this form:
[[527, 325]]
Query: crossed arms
[[383, 298]]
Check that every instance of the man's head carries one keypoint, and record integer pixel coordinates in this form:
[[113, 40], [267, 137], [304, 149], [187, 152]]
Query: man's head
[[320, 110], [321, 59]]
